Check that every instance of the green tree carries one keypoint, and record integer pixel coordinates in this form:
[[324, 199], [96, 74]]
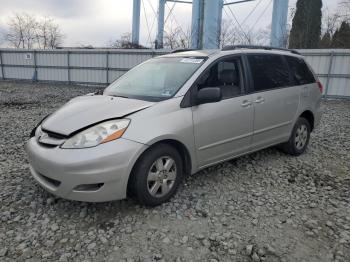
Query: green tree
[[326, 41], [306, 26], [341, 37]]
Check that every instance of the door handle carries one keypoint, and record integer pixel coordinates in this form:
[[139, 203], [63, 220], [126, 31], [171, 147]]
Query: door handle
[[246, 103], [259, 100]]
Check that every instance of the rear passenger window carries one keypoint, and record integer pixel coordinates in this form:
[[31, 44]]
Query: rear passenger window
[[269, 71], [301, 73]]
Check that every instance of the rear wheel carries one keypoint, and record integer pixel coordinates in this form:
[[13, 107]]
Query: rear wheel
[[299, 139], [156, 176]]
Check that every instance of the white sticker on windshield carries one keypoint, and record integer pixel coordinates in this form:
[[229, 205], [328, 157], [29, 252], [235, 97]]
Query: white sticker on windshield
[[191, 60], [166, 93]]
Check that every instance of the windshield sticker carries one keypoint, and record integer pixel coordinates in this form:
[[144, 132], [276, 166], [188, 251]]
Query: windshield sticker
[[166, 93], [191, 60]]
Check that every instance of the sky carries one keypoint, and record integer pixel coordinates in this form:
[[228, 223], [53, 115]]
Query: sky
[[97, 22]]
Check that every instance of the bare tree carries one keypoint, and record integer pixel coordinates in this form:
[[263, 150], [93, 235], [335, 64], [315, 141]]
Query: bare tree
[[21, 33], [185, 38], [232, 34], [345, 3], [228, 35], [171, 36], [27, 31], [55, 36], [175, 37], [124, 42], [344, 10], [331, 21], [48, 34]]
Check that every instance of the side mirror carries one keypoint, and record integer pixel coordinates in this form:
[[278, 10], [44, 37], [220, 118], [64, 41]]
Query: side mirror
[[208, 95]]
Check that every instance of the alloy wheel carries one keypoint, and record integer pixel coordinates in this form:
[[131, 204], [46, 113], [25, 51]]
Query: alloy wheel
[[301, 136], [161, 176]]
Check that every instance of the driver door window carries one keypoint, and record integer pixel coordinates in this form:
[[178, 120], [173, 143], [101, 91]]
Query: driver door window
[[225, 74]]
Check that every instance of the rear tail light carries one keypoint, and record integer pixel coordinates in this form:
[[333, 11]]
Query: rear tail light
[[320, 86]]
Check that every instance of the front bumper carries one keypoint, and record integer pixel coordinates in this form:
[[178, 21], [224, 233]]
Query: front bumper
[[94, 174]]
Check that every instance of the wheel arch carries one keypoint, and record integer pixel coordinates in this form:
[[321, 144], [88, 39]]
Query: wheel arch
[[179, 146], [309, 116]]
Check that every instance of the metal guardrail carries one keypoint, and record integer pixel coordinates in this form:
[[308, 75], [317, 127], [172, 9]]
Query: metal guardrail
[[68, 66], [125, 59], [331, 55], [2, 67]]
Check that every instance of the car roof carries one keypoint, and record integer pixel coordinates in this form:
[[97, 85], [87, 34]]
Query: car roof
[[193, 53], [219, 52], [264, 51]]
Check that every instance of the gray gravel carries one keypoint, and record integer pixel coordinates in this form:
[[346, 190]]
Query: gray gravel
[[266, 206]]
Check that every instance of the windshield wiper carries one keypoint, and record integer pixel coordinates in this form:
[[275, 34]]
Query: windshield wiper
[[119, 96], [98, 92]]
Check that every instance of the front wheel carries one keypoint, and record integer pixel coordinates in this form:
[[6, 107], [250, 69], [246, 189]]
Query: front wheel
[[156, 176], [299, 138]]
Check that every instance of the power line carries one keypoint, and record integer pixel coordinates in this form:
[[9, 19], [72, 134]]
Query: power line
[[154, 18], [238, 34], [154, 11], [251, 12], [257, 20], [235, 18], [177, 23], [145, 15], [170, 11]]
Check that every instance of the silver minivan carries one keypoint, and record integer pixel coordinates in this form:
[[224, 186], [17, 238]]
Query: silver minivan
[[172, 116]]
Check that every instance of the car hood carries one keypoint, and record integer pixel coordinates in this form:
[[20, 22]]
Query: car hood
[[84, 111]]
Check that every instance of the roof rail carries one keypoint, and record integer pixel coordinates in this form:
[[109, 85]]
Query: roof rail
[[182, 50], [232, 47]]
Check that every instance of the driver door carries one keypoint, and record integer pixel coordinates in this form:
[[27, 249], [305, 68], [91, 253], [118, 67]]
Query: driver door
[[223, 129]]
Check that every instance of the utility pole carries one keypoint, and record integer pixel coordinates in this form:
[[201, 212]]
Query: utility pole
[[279, 23], [212, 23], [197, 8], [136, 22], [206, 23], [160, 33]]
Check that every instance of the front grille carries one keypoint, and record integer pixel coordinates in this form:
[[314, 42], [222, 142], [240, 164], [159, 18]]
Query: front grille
[[46, 145], [55, 135]]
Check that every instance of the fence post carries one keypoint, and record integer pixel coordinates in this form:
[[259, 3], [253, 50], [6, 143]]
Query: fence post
[[35, 77], [2, 66], [68, 67], [329, 73], [107, 66]]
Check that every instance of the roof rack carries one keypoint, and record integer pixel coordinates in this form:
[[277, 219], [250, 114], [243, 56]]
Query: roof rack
[[232, 47], [182, 50]]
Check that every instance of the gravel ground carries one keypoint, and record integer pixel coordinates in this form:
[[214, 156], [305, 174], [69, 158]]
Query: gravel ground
[[266, 206]]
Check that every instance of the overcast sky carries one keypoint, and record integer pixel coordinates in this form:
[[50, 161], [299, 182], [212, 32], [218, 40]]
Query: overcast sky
[[96, 22]]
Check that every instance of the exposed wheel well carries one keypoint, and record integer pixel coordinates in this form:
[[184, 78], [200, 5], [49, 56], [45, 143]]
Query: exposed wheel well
[[181, 148], [309, 116]]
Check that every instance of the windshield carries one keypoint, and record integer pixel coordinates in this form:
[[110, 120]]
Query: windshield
[[155, 80]]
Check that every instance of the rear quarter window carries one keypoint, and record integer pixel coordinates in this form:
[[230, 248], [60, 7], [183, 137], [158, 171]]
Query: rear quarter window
[[301, 74]]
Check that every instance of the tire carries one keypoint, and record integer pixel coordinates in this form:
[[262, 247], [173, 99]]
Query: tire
[[156, 175], [299, 139]]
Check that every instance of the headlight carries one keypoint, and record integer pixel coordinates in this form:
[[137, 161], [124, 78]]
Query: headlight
[[98, 134]]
